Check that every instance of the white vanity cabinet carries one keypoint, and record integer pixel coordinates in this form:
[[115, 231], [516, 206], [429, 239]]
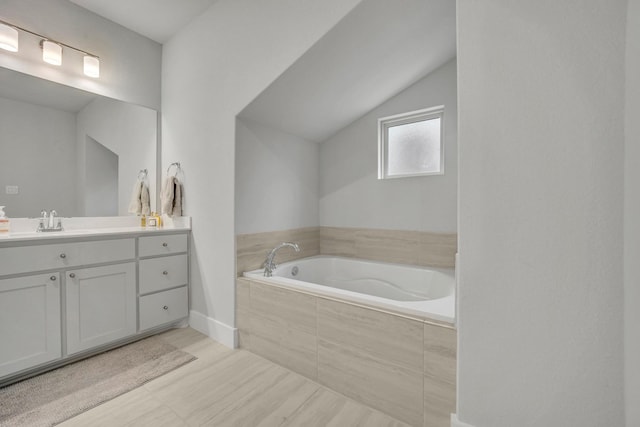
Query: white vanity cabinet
[[62, 298], [101, 305], [164, 275], [29, 322]]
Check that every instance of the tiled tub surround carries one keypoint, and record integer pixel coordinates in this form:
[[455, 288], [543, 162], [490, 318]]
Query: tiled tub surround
[[400, 364], [252, 249], [394, 246]]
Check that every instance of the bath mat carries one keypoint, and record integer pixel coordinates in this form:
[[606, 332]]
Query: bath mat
[[58, 395]]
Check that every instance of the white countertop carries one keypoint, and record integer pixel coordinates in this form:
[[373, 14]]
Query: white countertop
[[24, 229]]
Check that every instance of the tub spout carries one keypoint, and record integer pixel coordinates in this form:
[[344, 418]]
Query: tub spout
[[269, 265]]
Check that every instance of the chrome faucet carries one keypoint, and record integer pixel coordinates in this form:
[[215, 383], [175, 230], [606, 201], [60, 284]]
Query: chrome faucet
[[48, 221], [269, 265]]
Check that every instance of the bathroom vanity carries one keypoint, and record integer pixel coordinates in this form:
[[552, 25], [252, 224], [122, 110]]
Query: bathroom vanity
[[68, 295]]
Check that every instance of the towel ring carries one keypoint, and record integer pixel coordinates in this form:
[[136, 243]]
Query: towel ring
[[178, 168], [142, 175]]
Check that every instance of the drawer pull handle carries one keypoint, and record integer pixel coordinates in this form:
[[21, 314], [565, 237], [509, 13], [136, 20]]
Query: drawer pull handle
[[72, 275], [63, 255], [165, 272], [165, 244], [166, 307], [53, 278]]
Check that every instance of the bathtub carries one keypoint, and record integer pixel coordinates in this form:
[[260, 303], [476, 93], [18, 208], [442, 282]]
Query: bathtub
[[415, 292]]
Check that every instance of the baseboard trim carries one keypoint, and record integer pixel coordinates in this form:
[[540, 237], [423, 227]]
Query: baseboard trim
[[455, 422], [214, 329]]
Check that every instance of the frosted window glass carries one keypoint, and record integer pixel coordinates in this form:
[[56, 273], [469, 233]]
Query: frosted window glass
[[414, 148]]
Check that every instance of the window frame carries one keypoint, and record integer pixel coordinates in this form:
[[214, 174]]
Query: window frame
[[385, 123]]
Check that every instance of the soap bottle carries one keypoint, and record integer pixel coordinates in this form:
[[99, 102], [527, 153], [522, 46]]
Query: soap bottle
[[4, 221], [152, 220], [143, 220]]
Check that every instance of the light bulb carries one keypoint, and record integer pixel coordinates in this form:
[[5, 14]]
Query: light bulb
[[91, 66], [51, 52], [8, 38]]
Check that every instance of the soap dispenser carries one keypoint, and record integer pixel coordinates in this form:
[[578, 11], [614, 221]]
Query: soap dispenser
[[4, 221]]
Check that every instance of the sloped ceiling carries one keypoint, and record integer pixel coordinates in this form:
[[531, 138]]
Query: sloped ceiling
[[158, 20], [376, 51]]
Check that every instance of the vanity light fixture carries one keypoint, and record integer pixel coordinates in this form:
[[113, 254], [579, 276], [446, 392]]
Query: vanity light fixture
[[51, 52], [8, 37], [92, 66], [51, 49]]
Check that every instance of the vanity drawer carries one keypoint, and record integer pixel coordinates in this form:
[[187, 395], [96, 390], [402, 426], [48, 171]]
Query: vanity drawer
[[163, 307], [161, 273], [162, 245], [22, 259]]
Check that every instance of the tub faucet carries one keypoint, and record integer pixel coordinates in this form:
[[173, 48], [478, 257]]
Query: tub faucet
[[269, 265]]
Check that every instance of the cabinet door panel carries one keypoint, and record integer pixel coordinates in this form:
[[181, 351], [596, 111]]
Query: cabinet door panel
[[101, 305], [29, 322]]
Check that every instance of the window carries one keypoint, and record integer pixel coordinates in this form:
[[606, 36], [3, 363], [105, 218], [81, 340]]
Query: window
[[410, 144]]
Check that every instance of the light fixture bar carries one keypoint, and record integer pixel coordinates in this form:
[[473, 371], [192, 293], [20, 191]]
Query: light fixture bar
[[92, 70]]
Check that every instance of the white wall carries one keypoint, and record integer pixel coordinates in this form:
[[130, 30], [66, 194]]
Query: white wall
[[128, 130], [277, 179], [210, 71], [541, 96], [37, 143], [351, 194], [129, 63], [632, 218]]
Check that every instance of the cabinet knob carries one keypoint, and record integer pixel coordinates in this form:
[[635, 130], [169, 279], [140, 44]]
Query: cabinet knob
[[165, 272], [166, 307], [63, 255], [72, 275], [53, 278], [165, 244]]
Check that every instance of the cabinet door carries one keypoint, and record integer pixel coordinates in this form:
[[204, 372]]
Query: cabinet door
[[101, 305], [29, 322]]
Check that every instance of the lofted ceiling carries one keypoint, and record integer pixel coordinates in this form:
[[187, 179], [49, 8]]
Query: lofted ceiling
[[158, 20], [379, 49]]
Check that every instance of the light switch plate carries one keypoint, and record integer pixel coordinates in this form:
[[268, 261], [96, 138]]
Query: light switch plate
[[12, 189]]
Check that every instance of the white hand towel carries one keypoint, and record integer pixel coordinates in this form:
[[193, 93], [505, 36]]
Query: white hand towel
[[177, 199], [145, 200], [135, 206], [167, 195], [172, 197]]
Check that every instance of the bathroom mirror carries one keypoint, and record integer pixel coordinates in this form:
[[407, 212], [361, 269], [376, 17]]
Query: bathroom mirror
[[70, 150]]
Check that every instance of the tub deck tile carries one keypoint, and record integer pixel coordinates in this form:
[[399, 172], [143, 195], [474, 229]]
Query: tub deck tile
[[440, 345], [243, 304], [392, 389], [439, 375], [390, 338], [283, 327]]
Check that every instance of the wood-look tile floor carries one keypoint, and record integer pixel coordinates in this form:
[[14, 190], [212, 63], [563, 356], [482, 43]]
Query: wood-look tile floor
[[225, 387]]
